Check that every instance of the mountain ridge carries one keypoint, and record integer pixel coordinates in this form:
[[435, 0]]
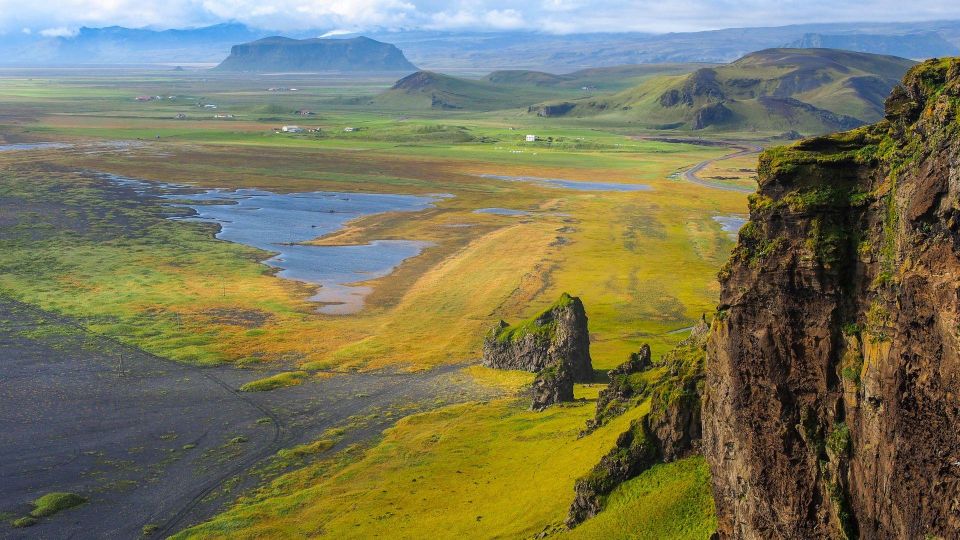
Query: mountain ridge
[[278, 53], [809, 90]]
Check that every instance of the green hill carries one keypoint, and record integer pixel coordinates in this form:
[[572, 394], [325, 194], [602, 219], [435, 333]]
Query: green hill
[[429, 90], [806, 90], [509, 89], [609, 79]]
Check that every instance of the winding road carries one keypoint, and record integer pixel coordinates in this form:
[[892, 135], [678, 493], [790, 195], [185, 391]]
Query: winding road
[[690, 175]]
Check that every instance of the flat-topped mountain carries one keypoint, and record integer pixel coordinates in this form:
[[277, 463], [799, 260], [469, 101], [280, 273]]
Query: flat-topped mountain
[[285, 54], [807, 90]]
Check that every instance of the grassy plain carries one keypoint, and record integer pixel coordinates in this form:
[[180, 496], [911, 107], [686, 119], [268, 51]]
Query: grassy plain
[[433, 309], [644, 263]]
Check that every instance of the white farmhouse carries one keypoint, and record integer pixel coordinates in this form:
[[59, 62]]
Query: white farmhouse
[[292, 129], [531, 138]]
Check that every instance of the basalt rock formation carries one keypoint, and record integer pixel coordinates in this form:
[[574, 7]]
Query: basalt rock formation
[[553, 384], [555, 344], [832, 403], [557, 334], [670, 431], [626, 389]]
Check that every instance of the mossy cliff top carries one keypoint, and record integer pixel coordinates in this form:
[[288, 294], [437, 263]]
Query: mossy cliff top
[[828, 177], [542, 325]]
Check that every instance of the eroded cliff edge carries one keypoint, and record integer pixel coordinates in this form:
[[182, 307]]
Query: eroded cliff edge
[[833, 373]]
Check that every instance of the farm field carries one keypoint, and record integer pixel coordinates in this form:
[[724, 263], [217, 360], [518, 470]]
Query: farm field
[[588, 208]]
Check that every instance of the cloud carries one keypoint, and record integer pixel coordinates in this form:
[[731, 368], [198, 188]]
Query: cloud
[[337, 32], [60, 31], [560, 16]]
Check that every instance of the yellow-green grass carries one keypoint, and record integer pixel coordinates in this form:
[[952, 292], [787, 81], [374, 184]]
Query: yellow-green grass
[[52, 503], [643, 262], [475, 470], [668, 501], [630, 256], [280, 380]]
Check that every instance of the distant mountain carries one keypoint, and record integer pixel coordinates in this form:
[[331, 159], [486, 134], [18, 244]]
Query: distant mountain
[[918, 46], [512, 50], [119, 45], [553, 53], [805, 90], [277, 54], [611, 78], [429, 90], [510, 89]]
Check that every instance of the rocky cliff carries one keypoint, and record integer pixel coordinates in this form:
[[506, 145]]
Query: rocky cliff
[[300, 55], [557, 333], [832, 403]]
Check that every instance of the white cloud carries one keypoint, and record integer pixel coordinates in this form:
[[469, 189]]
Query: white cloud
[[60, 31], [561, 16], [337, 32]]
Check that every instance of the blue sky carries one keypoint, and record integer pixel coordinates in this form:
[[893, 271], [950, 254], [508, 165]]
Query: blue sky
[[60, 17]]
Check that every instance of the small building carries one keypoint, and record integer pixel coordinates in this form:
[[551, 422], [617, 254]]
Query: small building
[[349, 129], [531, 138], [181, 116], [209, 106], [223, 115], [291, 129], [305, 112]]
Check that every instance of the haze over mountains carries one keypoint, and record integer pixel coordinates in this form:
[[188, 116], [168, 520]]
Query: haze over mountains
[[489, 50], [300, 55]]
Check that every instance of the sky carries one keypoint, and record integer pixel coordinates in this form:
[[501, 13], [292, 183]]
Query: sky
[[64, 17]]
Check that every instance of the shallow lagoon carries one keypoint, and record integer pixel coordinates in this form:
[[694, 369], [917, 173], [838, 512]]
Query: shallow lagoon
[[571, 184], [279, 222], [731, 224], [19, 147]]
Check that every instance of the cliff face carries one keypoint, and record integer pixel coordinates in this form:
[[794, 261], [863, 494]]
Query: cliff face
[[833, 374], [558, 334], [285, 54]]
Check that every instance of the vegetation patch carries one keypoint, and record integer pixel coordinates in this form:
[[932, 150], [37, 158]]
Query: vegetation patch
[[51, 503], [541, 326], [280, 380], [25, 521]]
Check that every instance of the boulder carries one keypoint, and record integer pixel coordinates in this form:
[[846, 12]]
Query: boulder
[[559, 333]]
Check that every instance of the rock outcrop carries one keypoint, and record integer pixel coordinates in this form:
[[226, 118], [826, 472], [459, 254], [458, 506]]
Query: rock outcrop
[[626, 389], [634, 453], [832, 401], [555, 344], [554, 384], [670, 431], [559, 333]]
